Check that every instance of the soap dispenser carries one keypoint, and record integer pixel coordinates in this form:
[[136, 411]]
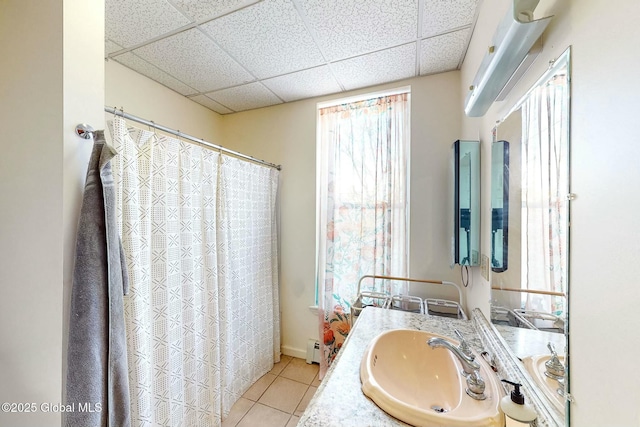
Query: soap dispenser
[[515, 408]]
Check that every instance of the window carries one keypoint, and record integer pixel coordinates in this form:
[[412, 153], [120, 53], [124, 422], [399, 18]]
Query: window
[[363, 152]]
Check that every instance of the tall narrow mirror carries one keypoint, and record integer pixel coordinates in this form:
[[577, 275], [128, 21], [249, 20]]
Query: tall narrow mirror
[[530, 291], [499, 206], [466, 179]]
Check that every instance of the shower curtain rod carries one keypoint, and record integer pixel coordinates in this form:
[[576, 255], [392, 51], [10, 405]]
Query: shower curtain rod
[[179, 134]]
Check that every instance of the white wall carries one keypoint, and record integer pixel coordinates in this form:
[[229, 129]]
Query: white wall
[[286, 134], [604, 174], [149, 100], [51, 80]]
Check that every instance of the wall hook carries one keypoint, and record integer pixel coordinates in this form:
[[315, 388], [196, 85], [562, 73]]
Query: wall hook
[[85, 131]]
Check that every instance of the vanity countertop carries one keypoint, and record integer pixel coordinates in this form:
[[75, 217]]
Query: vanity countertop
[[527, 342], [339, 400]]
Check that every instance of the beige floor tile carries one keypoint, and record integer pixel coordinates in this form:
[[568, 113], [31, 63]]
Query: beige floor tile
[[305, 401], [258, 388], [278, 367], [284, 394], [316, 381], [263, 416], [239, 410], [293, 421], [299, 370]]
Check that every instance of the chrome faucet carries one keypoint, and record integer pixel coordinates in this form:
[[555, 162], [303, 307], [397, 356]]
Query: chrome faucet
[[464, 346], [462, 352], [471, 368], [553, 367]]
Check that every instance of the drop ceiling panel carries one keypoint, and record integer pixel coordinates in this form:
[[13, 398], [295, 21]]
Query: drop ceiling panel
[[210, 104], [304, 84], [347, 28], [245, 97], [201, 10], [440, 16], [268, 38], [194, 59], [143, 67], [231, 55], [443, 53], [374, 68], [110, 47], [129, 23]]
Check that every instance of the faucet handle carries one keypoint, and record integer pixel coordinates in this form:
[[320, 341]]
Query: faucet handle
[[475, 386], [464, 346], [553, 367]]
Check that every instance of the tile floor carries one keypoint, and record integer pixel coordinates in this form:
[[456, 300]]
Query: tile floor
[[278, 398]]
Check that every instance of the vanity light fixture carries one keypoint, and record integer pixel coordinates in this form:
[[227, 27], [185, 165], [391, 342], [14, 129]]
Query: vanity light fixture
[[512, 41]]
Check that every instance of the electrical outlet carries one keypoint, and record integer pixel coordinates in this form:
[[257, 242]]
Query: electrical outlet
[[484, 267]]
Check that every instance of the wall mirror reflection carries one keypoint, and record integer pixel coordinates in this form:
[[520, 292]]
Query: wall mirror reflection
[[466, 179], [499, 206], [530, 285]]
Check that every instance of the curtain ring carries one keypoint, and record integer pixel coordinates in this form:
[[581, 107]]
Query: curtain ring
[[219, 158], [155, 136]]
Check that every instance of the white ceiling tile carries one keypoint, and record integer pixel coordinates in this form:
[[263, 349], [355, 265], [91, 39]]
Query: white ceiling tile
[[304, 84], [268, 38], [443, 53], [132, 22], [347, 28], [440, 16], [376, 68], [111, 46], [210, 104], [246, 97], [297, 48], [143, 67], [200, 10], [194, 59]]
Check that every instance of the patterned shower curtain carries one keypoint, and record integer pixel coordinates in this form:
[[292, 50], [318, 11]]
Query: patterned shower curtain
[[202, 314], [248, 274]]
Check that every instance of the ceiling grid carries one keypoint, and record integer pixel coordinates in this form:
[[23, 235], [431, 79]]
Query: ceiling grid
[[237, 55]]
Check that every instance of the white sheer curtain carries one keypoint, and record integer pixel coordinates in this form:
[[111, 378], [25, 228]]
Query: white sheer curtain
[[363, 207], [200, 327], [545, 183]]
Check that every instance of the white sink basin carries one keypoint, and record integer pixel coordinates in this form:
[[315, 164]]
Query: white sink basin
[[414, 382], [535, 367]]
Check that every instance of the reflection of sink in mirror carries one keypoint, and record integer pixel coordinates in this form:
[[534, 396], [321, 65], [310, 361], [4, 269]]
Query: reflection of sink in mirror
[[423, 386], [530, 198], [535, 365]]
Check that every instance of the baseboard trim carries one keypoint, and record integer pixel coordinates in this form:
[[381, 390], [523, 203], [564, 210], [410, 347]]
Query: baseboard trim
[[294, 352]]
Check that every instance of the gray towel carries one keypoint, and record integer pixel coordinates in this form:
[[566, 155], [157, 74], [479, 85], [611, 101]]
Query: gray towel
[[97, 376]]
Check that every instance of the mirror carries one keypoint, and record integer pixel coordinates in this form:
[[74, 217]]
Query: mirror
[[529, 297], [466, 179], [499, 206]]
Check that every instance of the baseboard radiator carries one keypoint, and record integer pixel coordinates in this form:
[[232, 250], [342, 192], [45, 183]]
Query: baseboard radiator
[[313, 351]]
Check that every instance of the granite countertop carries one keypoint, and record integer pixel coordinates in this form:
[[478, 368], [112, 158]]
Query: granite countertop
[[528, 342], [339, 400]]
